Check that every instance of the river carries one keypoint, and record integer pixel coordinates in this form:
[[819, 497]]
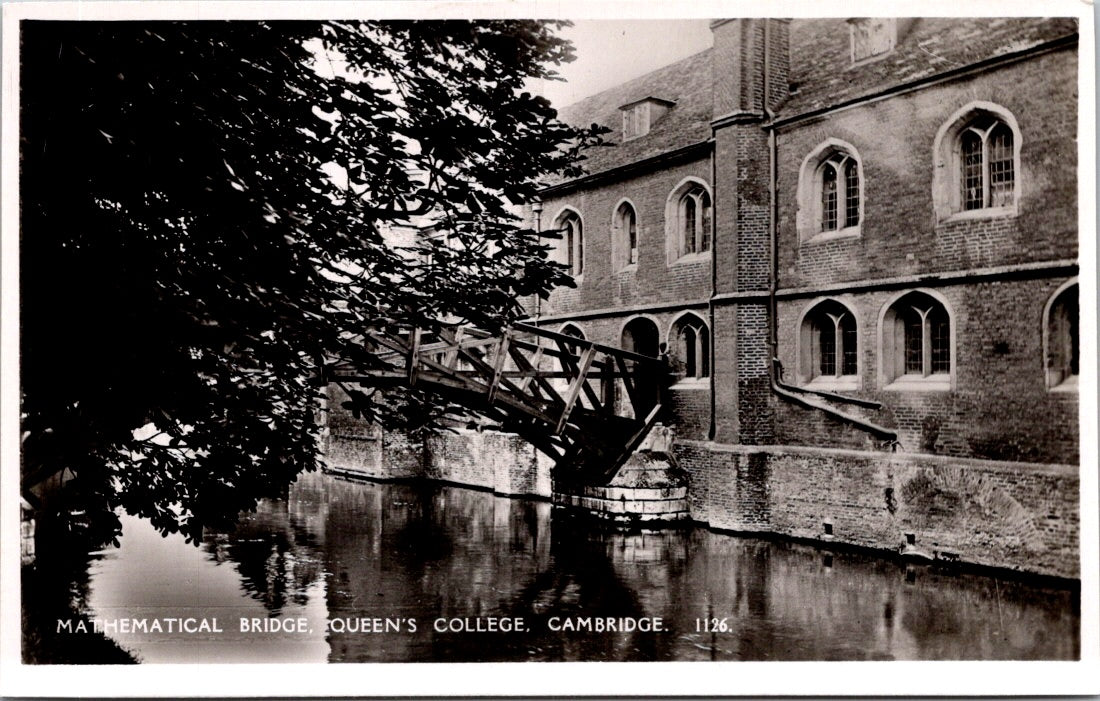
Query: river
[[349, 571]]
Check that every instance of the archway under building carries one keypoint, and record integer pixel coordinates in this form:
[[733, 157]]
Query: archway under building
[[641, 335]]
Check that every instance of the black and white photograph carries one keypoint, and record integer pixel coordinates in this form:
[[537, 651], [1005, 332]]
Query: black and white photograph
[[733, 336]]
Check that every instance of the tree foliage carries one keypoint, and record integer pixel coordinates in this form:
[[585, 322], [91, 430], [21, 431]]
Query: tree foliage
[[205, 211]]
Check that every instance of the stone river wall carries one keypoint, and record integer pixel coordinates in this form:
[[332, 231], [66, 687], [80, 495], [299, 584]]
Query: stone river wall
[[1019, 516]]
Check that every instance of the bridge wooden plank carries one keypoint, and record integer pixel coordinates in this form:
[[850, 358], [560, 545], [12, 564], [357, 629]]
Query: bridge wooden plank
[[487, 371], [451, 355], [535, 363], [581, 380], [609, 350], [553, 352], [498, 365], [413, 357], [450, 382], [607, 388], [548, 390], [633, 442], [628, 382], [455, 361], [566, 358]]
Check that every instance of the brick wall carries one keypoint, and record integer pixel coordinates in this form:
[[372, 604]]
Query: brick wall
[[1000, 407], [1015, 515], [654, 279], [894, 138], [755, 412], [689, 410], [356, 446], [726, 398]]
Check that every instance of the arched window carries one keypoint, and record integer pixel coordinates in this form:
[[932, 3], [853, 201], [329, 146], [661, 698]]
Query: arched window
[[572, 241], [988, 173], [830, 192], [839, 193], [572, 330], [1063, 341], [695, 221], [977, 163], [829, 346], [688, 219], [625, 232], [691, 346], [917, 342]]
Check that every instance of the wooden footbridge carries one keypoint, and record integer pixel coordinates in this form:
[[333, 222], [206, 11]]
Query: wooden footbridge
[[586, 405]]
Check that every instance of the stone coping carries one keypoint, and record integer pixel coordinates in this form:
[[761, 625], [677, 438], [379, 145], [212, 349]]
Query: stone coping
[[900, 458], [633, 493], [624, 507]]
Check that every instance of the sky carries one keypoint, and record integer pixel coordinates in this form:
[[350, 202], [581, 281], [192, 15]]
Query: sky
[[610, 52]]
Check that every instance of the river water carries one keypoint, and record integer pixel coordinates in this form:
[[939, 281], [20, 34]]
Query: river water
[[348, 571]]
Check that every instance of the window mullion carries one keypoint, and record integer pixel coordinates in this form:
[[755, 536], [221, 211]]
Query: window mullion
[[987, 177], [926, 343]]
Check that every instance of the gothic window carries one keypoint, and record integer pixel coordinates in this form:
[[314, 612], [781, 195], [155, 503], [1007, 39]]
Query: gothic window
[[691, 352], [829, 345], [625, 232], [977, 163], [839, 192], [571, 247], [918, 342], [690, 220], [830, 192], [1063, 341], [987, 174]]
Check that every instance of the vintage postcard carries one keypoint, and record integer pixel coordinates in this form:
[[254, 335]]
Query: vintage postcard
[[347, 342]]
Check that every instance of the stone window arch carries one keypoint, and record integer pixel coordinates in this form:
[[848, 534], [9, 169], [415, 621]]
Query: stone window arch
[[624, 235], [828, 348], [569, 251], [917, 341], [1062, 338], [830, 192], [688, 219], [976, 163], [689, 341]]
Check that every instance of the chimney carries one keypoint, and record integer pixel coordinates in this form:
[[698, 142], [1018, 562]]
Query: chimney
[[749, 68]]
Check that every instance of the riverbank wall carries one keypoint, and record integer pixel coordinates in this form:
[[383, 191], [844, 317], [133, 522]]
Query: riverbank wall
[[1017, 516], [485, 459], [1004, 515]]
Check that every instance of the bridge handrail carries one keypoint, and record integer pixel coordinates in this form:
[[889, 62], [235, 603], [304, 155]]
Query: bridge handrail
[[585, 343]]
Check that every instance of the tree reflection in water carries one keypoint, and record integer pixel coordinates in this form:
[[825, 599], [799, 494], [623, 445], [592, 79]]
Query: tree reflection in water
[[421, 552], [276, 553], [431, 551]]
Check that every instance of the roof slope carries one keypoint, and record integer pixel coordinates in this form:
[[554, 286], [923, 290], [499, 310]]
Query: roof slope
[[822, 73], [686, 82]]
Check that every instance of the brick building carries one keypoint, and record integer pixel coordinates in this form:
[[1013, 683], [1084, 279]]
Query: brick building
[[886, 207], [857, 242]]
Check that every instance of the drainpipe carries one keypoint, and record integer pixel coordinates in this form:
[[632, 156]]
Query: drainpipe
[[792, 394], [712, 430]]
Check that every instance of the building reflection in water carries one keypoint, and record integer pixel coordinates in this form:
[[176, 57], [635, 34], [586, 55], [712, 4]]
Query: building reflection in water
[[339, 552]]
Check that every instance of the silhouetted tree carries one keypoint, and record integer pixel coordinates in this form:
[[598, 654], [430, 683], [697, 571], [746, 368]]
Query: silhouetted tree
[[204, 209]]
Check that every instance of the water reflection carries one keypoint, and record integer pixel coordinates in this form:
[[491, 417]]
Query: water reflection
[[353, 558]]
